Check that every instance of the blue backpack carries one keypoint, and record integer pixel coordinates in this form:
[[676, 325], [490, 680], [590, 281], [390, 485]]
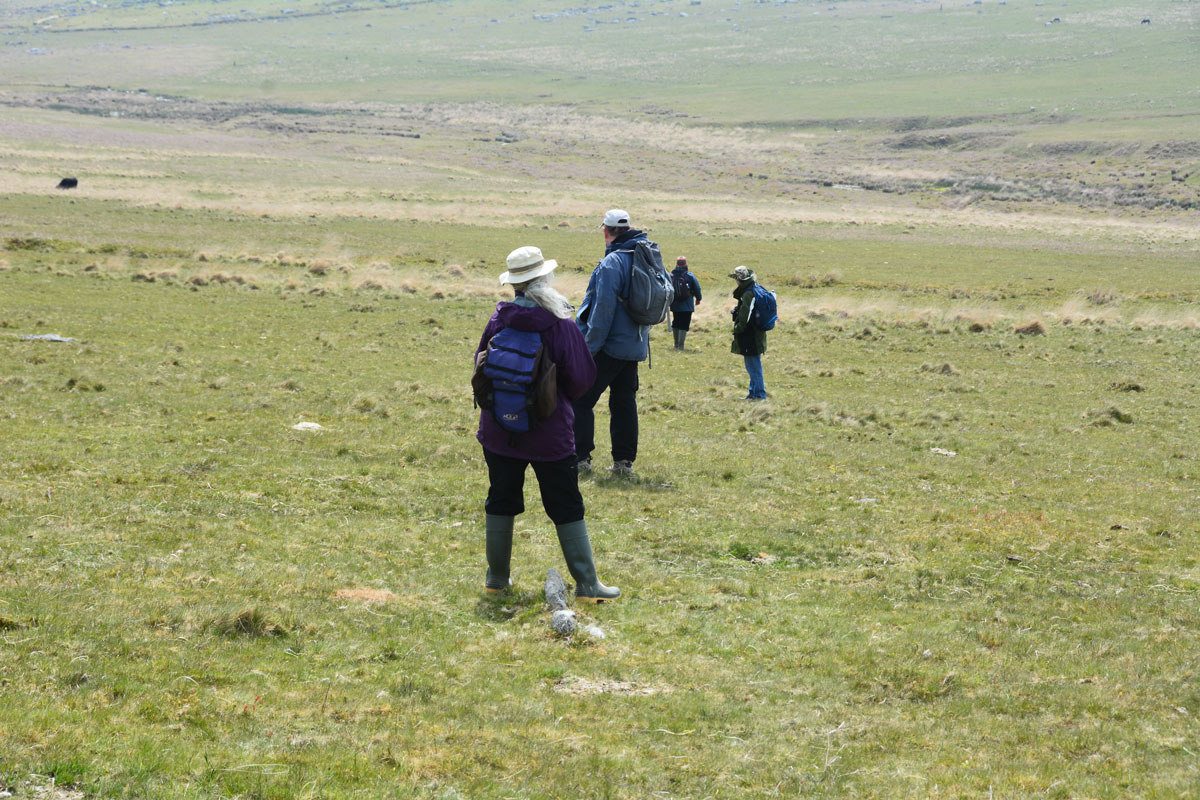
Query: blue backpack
[[763, 313], [516, 380]]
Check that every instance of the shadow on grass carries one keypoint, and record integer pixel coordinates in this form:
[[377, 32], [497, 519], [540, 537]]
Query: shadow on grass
[[509, 605], [643, 481]]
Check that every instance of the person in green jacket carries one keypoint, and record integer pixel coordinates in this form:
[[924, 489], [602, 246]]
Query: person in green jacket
[[748, 341]]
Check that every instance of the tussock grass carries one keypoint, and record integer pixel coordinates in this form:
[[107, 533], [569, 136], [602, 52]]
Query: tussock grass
[[251, 622], [1106, 417], [1031, 328], [945, 368]]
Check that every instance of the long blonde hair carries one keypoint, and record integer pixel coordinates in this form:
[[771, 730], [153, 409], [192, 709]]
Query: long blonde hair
[[541, 292]]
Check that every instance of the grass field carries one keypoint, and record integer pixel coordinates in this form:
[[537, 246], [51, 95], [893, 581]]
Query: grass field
[[955, 555]]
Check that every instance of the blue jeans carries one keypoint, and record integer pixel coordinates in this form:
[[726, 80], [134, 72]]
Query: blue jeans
[[758, 389]]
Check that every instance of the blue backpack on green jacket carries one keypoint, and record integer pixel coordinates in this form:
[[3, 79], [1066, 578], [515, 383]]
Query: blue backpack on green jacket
[[763, 310]]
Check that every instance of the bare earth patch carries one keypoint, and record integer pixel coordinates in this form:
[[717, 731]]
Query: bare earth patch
[[587, 686]]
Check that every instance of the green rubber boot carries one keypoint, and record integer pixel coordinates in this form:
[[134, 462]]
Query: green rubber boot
[[682, 339], [577, 550], [498, 533]]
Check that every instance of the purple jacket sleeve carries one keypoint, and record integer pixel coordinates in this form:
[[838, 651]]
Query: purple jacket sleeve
[[576, 367]]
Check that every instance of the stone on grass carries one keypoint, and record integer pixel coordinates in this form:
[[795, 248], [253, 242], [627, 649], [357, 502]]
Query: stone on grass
[[563, 622], [556, 590]]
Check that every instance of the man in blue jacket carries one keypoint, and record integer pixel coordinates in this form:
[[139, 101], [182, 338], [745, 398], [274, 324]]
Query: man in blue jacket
[[617, 343]]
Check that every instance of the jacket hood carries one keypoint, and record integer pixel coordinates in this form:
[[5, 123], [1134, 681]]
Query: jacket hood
[[525, 318]]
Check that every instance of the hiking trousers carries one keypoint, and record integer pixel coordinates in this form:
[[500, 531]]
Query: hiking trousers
[[620, 378], [558, 482]]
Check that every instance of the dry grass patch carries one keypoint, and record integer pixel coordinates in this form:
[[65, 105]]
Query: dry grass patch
[[367, 596], [945, 368], [1031, 328], [376, 280], [1182, 320], [1101, 297], [221, 277], [1082, 312], [151, 276]]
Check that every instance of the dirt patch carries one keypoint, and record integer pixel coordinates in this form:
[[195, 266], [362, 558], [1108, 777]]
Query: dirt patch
[[588, 686], [367, 596]]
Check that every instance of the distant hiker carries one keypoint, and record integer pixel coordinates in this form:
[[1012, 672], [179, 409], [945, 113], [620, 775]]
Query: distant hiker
[[541, 315], [687, 297], [617, 343], [749, 340]]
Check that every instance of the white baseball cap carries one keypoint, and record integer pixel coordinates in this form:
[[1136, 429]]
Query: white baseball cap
[[616, 218], [525, 264]]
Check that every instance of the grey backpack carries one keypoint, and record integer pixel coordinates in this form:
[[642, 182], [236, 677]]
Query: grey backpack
[[650, 290]]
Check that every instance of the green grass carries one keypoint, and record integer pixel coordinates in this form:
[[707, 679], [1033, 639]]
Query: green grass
[[816, 602], [947, 559], [721, 61]]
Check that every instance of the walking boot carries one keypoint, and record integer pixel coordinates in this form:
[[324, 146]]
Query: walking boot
[[678, 338], [682, 338], [498, 536], [577, 550]]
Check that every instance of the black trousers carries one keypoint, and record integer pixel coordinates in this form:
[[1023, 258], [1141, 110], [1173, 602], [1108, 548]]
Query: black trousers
[[620, 378], [557, 480], [681, 320]]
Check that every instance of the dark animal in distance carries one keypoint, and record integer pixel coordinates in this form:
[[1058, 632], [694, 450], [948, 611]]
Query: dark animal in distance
[[67, 183], [1146, 21]]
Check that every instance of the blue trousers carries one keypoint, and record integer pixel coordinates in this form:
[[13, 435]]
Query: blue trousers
[[758, 389]]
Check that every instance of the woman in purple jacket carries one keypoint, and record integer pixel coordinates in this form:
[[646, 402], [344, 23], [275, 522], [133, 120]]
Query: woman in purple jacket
[[550, 447]]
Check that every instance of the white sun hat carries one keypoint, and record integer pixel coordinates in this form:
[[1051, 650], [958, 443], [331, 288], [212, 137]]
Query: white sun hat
[[525, 264]]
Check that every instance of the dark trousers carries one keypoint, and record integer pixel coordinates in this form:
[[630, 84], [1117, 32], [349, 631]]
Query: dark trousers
[[558, 482], [620, 378], [681, 320]]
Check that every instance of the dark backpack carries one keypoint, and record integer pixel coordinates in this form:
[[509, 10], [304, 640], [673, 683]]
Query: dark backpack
[[682, 286], [763, 310], [650, 292], [516, 380]]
